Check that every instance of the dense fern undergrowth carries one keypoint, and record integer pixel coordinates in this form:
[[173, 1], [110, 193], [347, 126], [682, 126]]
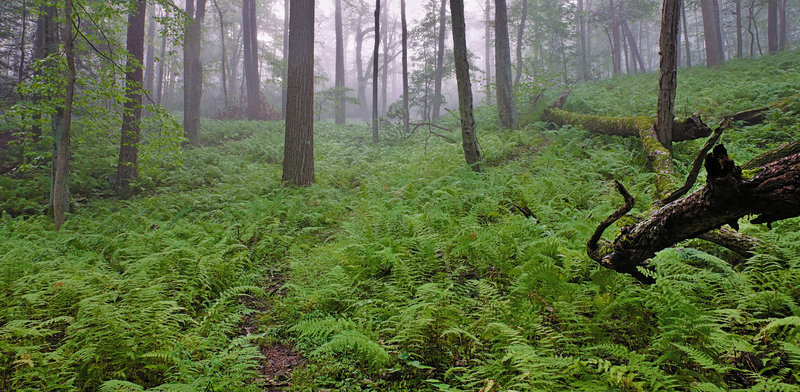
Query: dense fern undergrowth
[[404, 270]]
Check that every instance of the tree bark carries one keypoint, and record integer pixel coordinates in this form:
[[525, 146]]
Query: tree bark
[[772, 25], [298, 155], [521, 32], [193, 69], [284, 81], [61, 180], [487, 13], [45, 43], [375, 71], [506, 108], [616, 45], [127, 167], [149, 68], [250, 33], [405, 65], [686, 35], [782, 33], [339, 109], [712, 33], [224, 59], [668, 71], [637, 57], [437, 79], [161, 63], [727, 196], [469, 140], [585, 76]]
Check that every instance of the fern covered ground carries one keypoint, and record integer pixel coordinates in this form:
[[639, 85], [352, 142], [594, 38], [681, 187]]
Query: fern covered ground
[[403, 269]]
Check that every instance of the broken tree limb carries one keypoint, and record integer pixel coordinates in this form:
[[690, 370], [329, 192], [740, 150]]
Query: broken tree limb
[[695, 170], [758, 115], [773, 193]]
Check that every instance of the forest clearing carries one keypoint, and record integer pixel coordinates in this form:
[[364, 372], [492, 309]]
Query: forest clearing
[[448, 244]]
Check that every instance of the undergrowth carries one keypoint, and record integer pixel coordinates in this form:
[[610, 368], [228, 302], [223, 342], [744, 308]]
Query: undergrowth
[[405, 270]]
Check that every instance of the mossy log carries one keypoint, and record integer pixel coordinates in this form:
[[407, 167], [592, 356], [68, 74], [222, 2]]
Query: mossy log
[[772, 193]]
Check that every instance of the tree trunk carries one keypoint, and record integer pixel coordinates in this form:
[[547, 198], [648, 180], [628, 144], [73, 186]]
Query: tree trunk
[[468, 139], [521, 32], [772, 25], [616, 46], [224, 59], [285, 56], [339, 108], [149, 68], [161, 63], [193, 69], [686, 35], [637, 58], [61, 180], [727, 196], [738, 29], [712, 33], [668, 71], [506, 108], [298, 155], [375, 71], [782, 33], [437, 81], [45, 43], [488, 51], [585, 76], [385, 73], [127, 167], [250, 34], [405, 65]]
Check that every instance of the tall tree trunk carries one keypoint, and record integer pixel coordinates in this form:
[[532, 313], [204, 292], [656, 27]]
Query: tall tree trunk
[[487, 13], [161, 63], [149, 68], [738, 29], [233, 74], [61, 181], [505, 93], [298, 155], [468, 139], [637, 58], [127, 167], [404, 39], [782, 33], [250, 33], [616, 45], [668, 71], [224, 58], [284, 83], [193, 69], [585, 76], [686, 35], [45, 43], [375, 71], [437, 81], [385, 73], [22, 44], [772, 25], [520, 34], [339, 110], [712, 33]]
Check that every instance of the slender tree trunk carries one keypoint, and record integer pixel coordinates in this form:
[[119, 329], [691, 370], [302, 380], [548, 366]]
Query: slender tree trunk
[[250, 33], [712, 33], [339, 109], [161, 63], [149, 68], [375, 71], [284, 80], [437, 81], [61, 181], [45, 43], [193, 69], [298, 155], [637, 58], [625, 50], [22, 44], [521, 32], [224, 58], [585, 76], [616, 45], [488, 50], [505, 93], [668, 71], [233, 74], [127, 167], [772, 25], [385, 73], [468, 139], [782, 33], [738, 29], [405, 65]]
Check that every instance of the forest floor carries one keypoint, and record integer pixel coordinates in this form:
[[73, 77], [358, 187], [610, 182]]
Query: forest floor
[[400, 269]]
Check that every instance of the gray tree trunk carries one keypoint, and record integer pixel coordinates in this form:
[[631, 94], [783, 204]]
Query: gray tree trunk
[[505, 94], [375, 71], [437, 81], [61, 180], [772, 25], [193, 69], [712, 32], [404, 39], [250, 35], [520, 33], [668, 71], [468, 139]]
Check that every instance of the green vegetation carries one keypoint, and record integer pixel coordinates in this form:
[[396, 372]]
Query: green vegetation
[[404, 269]]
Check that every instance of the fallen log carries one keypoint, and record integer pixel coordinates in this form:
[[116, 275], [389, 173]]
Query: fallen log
[[771, 192]]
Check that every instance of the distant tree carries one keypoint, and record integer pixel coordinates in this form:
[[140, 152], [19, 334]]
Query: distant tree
[[193, 69], [437, 80], [127, 167], [487, 53], [686, 35], [668, 71], [520, 34], [339, 112], [738, 13], [375, 71], [404, 44], [772, 25], [616, 43], [783, 32], [505, 96], [250, 60], [712, 32], [468, 139], [150, 57], [284, 75], [224, 55], [298, 152], [585, 75], [161, 67], [61, 180]]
